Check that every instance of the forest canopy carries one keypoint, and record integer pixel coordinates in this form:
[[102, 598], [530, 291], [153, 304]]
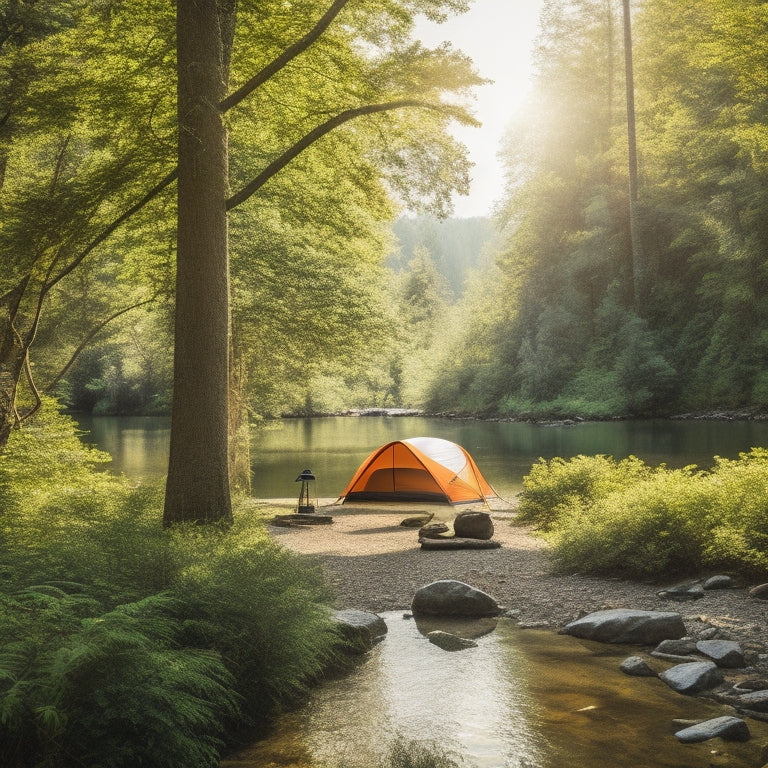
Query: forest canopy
[[343, 305]]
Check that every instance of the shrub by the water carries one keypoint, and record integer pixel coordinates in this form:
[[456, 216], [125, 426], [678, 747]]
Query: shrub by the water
[[558, 487], [625, 518], [124, 644], [418, 754]]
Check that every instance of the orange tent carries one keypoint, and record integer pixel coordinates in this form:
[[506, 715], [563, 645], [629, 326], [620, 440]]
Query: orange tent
[[419, 469]]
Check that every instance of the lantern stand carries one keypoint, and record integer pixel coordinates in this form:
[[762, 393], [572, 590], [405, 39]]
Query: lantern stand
[[305, 505]]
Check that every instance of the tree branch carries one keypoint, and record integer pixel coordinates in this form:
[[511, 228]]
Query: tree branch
[[88, 338], [28, 414], [343, 117], [285, 57], [100, 238]]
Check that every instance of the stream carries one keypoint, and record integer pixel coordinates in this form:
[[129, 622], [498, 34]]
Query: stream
[[523, 698]]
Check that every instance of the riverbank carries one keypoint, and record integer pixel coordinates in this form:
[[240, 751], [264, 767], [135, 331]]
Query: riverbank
[[375, 564]]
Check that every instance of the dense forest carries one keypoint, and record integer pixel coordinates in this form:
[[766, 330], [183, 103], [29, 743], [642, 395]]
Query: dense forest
[[343, 304], [228, 211], [566, 323]]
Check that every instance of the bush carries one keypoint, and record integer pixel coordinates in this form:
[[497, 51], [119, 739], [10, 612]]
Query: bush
[[655, 526], [607, 517], [739, 528], [558, 487], [122, 643]]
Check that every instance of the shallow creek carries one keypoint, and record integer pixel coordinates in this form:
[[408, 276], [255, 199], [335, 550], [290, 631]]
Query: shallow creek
[[524, 698]]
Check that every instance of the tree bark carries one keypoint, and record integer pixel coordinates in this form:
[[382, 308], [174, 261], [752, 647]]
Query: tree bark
[[634, 223], [197, 488]]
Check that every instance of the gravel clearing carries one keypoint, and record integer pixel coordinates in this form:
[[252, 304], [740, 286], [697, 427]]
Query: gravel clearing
[[375, 564]]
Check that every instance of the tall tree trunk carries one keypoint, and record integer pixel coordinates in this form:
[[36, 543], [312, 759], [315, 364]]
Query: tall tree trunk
[[634, 223], [239, 427], [197, 488]]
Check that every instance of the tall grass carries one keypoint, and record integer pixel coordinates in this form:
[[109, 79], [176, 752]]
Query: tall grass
[[626, 518], [122, 643]]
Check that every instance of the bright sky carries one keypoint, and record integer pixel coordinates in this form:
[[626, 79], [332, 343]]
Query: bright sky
[[498, 35]]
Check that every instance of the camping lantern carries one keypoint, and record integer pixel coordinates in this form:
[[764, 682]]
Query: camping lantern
[[305, 502]]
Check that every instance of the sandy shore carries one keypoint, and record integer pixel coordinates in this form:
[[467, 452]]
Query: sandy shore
[[375, 564]]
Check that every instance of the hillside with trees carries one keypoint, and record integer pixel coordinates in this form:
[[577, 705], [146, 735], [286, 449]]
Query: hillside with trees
[[565, 323]]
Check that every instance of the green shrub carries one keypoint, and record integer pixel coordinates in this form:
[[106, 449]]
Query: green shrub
[[263, 608], [739, 526], [122, 643], [558, 487], [655, 526], [607, 517]]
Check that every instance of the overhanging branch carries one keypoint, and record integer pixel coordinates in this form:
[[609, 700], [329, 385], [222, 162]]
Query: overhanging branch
[[89, 337], [321, 130], [285, 57], [105, 233]]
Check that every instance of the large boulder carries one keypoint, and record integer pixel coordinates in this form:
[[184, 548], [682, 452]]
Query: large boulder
[[473, 525], [726, 727], [692, 677], [360, 629], [623, 625], [453, 598]]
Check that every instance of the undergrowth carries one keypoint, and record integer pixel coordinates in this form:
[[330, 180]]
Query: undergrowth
[[604, 516], [125, 644]]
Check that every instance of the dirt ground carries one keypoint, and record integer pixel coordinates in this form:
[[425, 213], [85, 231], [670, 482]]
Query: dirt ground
[[375, 564]]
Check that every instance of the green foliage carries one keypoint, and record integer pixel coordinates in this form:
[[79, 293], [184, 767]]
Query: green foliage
[[418, 754], [122, 643], [625, 518], [114, 690], [556, 487]]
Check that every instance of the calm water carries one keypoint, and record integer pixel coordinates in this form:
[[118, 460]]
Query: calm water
[[521, 699], [333, 448]]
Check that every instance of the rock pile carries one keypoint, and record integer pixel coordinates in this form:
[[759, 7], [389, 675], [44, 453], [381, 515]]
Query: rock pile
[[471, 530]]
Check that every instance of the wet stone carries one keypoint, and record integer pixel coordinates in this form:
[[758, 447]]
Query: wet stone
[[725, 653], [636, 666], [623, 625], [447, 597], [757, 701], [682, 647], [726, 727], [693, 677], [360, 629]]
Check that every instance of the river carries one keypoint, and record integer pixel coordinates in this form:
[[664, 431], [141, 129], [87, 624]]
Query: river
[[334, 447]]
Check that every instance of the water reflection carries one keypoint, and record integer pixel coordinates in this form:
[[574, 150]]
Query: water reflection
[[521, 699], [408, 686], [335, 447]]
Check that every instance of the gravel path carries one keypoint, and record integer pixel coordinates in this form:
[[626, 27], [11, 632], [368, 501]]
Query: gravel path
[[375, 564]]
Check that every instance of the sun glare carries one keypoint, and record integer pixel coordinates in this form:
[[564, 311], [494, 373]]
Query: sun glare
[[498, 35]]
